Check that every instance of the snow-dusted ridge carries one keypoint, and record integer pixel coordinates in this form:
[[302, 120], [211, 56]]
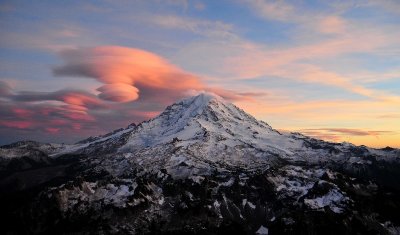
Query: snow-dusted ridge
[[201, 165], [205, 133], [210, 123]]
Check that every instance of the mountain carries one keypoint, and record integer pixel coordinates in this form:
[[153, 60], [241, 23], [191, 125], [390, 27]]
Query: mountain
[[203, 166]]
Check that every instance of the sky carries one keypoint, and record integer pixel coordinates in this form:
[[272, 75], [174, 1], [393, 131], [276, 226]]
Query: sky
[[74, 69]]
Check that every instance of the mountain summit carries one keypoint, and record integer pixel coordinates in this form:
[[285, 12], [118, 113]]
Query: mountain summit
[[214, 130], [202, 166]]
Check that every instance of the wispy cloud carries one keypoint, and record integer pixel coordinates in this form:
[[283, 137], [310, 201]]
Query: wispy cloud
[[348, 131], [389, 116], [202, 27], [273, 10], [320, 36], [346, 134]]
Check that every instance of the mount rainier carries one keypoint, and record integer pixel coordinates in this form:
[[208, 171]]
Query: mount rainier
[[203, 166]]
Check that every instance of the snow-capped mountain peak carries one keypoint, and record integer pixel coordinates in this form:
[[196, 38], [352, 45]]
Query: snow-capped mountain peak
[[202, 119], [203, 159], [208, 125]]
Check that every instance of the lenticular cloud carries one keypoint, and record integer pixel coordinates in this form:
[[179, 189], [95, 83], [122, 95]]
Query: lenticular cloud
[[118, 92], [125, 71]]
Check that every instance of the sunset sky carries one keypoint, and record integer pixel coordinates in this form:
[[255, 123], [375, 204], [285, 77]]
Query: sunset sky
[[328, 69]]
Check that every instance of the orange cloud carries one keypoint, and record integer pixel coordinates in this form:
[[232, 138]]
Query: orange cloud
[[118, 92], [346, 131], [369, 122], [372, 138], [131, 74], [79, 99], [125, 71], [389, 116]]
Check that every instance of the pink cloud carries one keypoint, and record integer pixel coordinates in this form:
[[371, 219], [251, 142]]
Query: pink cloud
[[131, 74], [52, 130], [118, 92], [22, 113], [5, 89], [79, 99], [332, 25], [76, 126], [16, 124], [68, 96], [140, 84], [125, 71], [58, 122]]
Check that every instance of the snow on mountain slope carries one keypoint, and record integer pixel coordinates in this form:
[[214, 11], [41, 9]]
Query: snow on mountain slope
[[209, 124], [91, 142], [215, 130], [24, 148], [211, 128], [203, 165], [209, 118]]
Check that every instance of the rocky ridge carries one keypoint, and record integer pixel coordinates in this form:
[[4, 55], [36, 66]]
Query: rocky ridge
[[203, 166]]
